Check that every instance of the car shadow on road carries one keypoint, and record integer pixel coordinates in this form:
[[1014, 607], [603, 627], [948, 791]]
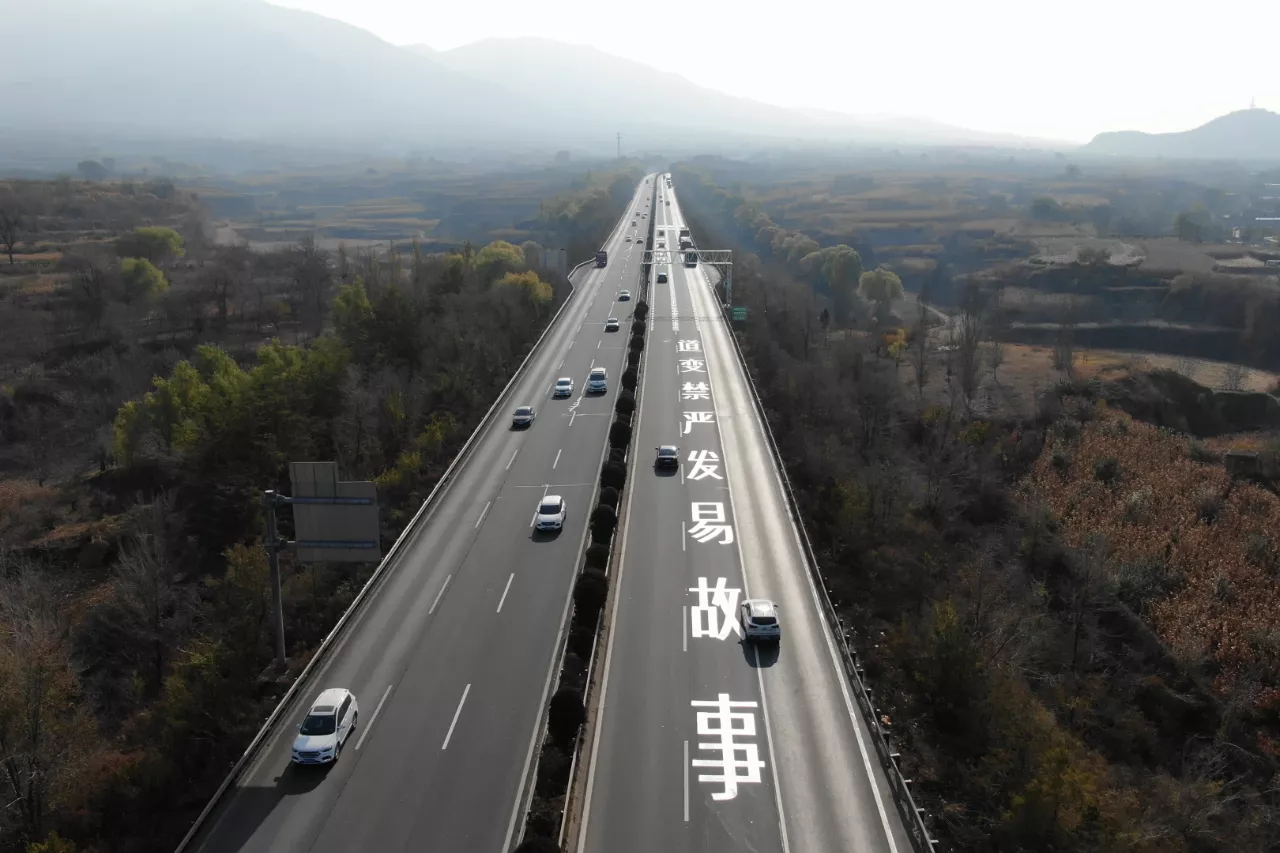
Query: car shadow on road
[[761, 655], [537, 535], [235, 824], [666, 472]]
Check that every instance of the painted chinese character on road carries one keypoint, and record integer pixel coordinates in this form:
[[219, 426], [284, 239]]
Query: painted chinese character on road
[[695, 391], [693, 365], [689, 346], [691, 418], [737, 762], [709, 523], [705, 464], [715, 613]]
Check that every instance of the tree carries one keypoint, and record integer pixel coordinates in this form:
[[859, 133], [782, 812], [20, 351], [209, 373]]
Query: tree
[[90, 289], [497, 259], [537, 290], [140, 279], [92, 170], [1064, 348], [968, 340], [155, 244], [225, 279], [311, 277], [920, 352], [881, 287], [10, 225]]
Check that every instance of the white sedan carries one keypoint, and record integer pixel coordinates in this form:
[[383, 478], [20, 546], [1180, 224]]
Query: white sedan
[[551, 513], [564, 387]]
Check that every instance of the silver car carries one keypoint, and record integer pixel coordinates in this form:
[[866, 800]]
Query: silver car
[[564, 387], [759, 620]]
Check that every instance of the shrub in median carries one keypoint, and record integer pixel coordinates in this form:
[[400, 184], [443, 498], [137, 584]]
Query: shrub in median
[[626, 402], [630, 377], [588, 598], [553, 771], [597, 556], [637, 327], [637, 343], [604, 519], [565, 716], [642, 310], [543, 824], [609, 496], [620, 433], [614, 473], [633, 359]]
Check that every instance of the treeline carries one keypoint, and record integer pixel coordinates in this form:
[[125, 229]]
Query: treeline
[[135, 639], [1032, 708]]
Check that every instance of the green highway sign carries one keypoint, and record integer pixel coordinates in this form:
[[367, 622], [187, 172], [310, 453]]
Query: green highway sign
[[739, 312]]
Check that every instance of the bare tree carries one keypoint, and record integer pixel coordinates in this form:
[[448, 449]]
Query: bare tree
[[311, 280], [10, 226], [920, 354], [997, 325], [1233, 376], [225, 279], [968, 340], [45, 730], [1064, 348], [90, 290]]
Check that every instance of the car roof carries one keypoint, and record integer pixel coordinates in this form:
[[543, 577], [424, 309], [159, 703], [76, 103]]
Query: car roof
[[598, 371], [552, 499], [563, 379], [612, 320], [524, 408], [668, 449], [328, 700], [761, 607]]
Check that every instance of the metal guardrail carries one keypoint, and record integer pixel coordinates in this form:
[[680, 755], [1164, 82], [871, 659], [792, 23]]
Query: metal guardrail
[[911, 814], [379, 574]]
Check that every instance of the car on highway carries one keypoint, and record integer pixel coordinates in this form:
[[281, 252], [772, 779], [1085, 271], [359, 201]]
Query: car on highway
[[662, 278], [668, 457], [624, 296], [598, 380], [759, 620], [551, 513], [626, 239], [523, 416], [564, 387], [328, 724], [611, 325], [662, 244]]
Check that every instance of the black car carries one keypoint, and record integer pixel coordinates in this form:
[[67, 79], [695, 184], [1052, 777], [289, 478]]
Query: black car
[[668, 457], [662, 278]]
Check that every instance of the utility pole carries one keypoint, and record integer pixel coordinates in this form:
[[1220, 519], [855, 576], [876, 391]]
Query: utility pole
[[273, 544]]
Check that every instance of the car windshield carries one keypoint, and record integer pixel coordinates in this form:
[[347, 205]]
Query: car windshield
[[764, 620], [667, 451], [319, 724], [524, 410], [549, 507]]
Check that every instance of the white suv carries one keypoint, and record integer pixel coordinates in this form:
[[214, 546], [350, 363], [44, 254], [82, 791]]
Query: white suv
[[329, 723], [759, 620], [598, 380]]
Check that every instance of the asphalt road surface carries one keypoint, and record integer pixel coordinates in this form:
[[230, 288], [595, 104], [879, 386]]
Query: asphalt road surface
[[707, 743], [451, 659]]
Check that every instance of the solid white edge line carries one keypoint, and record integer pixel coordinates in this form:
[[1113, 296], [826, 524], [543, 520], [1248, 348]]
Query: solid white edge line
[[483, 513], [520, 811], [457, 713], [440, 594], [369, 725], [746, 591], [513, 458], [505, 590]]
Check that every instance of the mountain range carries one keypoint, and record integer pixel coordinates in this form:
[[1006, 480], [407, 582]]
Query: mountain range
[[1252, 134], [249, 70]]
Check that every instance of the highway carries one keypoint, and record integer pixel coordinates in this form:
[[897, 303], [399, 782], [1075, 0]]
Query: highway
[[705, 743], [451, 658]]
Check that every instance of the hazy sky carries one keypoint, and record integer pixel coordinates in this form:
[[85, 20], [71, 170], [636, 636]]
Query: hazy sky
[[1059, 71]]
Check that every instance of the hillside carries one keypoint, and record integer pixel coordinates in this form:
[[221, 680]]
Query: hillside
[[1252, 134]]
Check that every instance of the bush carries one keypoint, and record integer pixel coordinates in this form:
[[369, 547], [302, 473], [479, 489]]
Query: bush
[[565, 715], [637, 343], [609, 496], [637, 327], [630, 377], [543, 825], [1061, 461], [597, 556], [589, 594], [626, 402], [581, 639], [604, 517], [620, 433], [613, 474], [623, 417], [1208, 504], [633, 359], [642, 310], [1108, 470], [553, 772]]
